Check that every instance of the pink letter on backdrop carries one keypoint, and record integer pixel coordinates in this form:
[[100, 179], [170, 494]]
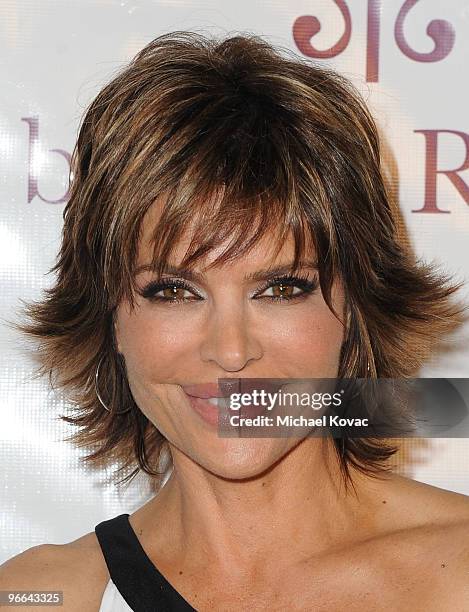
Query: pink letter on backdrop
[[372, 38], [431, 170], [33, 190]]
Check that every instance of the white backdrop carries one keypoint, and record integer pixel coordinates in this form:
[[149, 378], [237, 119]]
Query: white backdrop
[[56, 56]]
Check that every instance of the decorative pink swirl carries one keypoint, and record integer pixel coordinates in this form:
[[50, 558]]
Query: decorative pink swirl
[[440, 31], [307, 26]]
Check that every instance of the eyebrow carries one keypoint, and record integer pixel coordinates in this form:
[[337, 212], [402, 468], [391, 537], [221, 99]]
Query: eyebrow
[[259, 275]]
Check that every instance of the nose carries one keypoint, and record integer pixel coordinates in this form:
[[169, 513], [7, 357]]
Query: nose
[[230, 341]]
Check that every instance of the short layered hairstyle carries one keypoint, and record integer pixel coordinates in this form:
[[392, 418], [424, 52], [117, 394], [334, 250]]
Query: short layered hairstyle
[[243, 138]]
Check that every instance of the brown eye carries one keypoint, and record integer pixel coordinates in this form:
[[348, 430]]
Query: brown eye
[[169, 291], [288, 288], [281, 290]]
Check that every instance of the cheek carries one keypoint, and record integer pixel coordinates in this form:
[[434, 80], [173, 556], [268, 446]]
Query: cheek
[[150, 347], [311, 336]]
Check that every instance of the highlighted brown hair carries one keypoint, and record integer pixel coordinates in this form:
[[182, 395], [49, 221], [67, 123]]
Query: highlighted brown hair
[[290, 146]]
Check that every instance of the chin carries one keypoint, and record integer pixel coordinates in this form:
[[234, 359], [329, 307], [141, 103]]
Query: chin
[[243, 458]]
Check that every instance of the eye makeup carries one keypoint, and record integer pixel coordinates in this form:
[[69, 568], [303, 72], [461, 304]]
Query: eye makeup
[[177, 287]]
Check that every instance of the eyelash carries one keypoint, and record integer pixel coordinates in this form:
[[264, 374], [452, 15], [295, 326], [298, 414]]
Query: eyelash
[[307, 287]]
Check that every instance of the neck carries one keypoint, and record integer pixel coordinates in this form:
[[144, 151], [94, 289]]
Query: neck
[[297, 509]]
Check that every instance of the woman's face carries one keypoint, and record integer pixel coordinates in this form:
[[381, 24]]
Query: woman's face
[[225, 324]]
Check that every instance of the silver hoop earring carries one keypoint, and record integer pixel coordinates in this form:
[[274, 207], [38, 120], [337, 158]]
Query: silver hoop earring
[[99, 396]]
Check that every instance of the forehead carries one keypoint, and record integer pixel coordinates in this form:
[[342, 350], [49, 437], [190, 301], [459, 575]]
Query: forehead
[[269, 247]]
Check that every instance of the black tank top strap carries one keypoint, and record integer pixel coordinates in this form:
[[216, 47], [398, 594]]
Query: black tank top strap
[[137, 579]]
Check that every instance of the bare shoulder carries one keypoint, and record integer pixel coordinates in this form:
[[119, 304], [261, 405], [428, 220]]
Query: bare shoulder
[[76, 568], [435, 536], [429, 504]]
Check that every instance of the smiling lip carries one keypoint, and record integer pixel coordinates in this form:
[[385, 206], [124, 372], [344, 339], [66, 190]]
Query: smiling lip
[[199, 394], [211, 413], [206, 390]]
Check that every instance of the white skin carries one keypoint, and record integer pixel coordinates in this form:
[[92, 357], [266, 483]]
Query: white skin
[[228, 496]]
